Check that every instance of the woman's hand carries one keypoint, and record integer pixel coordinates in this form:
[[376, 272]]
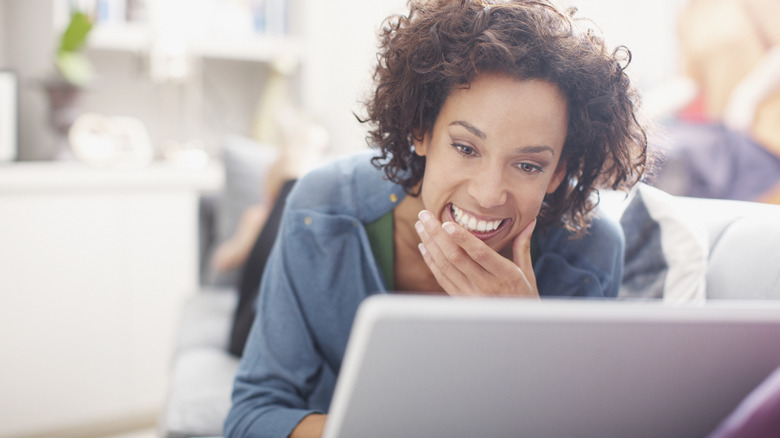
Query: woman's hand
[[464, 265], [311, 426]]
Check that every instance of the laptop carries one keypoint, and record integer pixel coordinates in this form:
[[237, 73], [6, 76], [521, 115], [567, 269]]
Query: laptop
[[418, 366]]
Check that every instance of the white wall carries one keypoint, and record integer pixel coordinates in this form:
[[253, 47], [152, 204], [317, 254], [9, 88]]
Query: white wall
[[3, 35], [648, 28], [339, 53], [341, 41], [28, 26]]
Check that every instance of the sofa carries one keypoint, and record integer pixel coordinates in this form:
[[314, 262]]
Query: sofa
[[677, 250]]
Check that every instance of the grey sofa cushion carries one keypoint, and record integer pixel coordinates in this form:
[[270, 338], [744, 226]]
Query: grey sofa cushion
[[206, 319], [203, 370], [200, 392]]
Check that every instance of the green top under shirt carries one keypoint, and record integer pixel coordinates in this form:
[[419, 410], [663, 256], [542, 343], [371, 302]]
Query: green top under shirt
[[380, 235]]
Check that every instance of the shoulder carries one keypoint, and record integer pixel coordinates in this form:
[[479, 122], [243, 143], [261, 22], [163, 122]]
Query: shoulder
[[602, 232], [333, 180], [350, 185], [590, 264]]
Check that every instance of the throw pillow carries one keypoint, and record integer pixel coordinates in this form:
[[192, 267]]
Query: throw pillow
[[246, 164], [666, 254]]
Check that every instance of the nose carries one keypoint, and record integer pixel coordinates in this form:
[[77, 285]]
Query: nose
[[487, 186]]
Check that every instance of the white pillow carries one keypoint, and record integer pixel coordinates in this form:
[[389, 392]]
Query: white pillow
[[666, 253]]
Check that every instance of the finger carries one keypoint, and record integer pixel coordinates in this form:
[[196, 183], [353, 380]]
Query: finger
[[442, 251], [452, 250], [499, 275], [521, 251], [484, 257], [448, 276], [483, 270], [469, 264], [449, 252], [521, 246], [450, 287]]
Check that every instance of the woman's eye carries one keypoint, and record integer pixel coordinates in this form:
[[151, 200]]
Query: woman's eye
[[463, 149], [529, 168]]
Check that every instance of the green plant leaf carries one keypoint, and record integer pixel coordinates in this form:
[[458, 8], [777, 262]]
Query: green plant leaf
[[75, 67], [75, 35]]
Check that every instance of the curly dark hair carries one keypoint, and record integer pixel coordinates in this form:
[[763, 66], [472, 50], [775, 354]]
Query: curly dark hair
[[444, 44]]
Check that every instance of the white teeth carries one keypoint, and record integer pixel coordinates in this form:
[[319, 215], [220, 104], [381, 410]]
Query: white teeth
[[473, 224]]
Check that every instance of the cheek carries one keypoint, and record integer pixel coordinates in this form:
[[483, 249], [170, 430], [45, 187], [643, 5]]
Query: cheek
[[530, 202], [437, 173], [434, 187], [439, 185]]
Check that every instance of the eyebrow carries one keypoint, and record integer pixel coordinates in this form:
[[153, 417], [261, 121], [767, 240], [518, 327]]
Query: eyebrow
[[525, 149], [471, 128], [535, 149]]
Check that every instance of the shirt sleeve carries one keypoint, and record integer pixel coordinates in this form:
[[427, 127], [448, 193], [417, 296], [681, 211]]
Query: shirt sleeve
[[280, 363]]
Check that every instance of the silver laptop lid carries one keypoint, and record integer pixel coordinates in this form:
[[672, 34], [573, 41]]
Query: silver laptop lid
[[444, 367]]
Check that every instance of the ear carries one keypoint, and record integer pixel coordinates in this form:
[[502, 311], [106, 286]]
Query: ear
[[560, 173], [421, 143]]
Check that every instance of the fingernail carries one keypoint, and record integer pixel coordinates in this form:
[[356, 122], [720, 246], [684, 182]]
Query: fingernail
[[424, 215], [449, 227], [419, 227], [422, 249]]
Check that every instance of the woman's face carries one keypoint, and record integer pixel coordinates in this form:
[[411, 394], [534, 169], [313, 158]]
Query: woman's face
[[493, 154]]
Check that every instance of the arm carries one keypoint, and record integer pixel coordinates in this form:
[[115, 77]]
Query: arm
[[280, 362]]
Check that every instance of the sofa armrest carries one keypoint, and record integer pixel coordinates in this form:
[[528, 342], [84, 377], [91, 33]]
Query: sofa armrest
[[202, 372], [206, 319], [743, 260], [199, 398], [717, 215]]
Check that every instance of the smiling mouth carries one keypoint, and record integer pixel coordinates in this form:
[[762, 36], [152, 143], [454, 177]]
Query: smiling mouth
[[474, 224]]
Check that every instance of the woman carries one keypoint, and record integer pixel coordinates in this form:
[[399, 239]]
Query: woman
[[495, 124]]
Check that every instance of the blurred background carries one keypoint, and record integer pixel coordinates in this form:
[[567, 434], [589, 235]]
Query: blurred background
[[143, 142]]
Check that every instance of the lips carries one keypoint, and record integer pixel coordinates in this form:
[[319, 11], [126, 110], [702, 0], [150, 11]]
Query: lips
[[481, 226]]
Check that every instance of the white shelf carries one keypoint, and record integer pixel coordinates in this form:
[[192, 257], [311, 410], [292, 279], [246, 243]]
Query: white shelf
[[121, 37], [254, 48]]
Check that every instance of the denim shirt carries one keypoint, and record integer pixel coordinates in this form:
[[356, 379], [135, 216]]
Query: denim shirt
[[322, 267]]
